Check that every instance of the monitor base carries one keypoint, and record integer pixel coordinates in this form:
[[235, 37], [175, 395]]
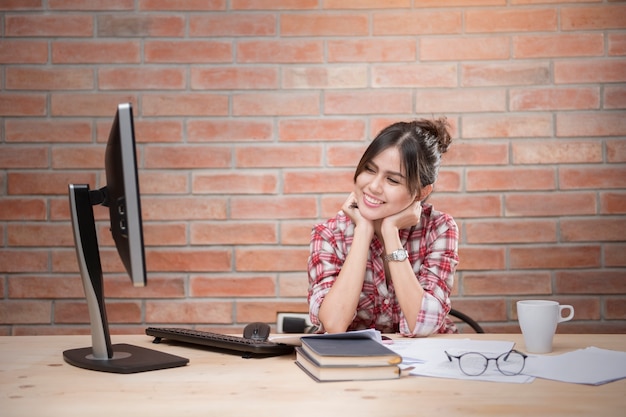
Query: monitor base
[[127, 359]]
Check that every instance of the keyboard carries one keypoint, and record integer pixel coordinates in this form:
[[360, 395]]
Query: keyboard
[[221, 342]]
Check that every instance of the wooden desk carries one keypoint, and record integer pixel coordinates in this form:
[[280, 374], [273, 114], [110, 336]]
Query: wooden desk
[[35, 381]]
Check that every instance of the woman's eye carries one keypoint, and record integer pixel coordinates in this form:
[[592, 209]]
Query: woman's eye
[[369, 169], [393, 181]]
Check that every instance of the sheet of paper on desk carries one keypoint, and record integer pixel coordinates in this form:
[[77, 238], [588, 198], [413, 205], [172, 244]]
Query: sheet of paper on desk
[[592, 366], [427, 357]]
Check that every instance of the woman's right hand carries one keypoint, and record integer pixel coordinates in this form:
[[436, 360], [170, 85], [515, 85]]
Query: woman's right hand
[[351, 209]]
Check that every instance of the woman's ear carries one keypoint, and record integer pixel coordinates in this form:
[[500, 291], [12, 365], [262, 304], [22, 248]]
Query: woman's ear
[[426, 192]]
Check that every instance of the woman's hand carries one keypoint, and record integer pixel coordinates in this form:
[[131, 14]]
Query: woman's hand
[[351, 209], [408, 217]]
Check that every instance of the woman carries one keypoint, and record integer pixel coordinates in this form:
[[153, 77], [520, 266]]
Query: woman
[[387, 259]]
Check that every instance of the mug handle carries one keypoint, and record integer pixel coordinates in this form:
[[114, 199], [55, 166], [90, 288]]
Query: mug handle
[[569, 316]]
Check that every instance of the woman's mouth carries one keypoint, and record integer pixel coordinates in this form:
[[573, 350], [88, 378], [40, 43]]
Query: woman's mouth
[[371, 201]]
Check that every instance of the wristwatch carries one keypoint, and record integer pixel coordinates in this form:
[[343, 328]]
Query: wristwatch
[[397, 255]]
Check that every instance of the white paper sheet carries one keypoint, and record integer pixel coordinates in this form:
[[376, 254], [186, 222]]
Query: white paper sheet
[[592, 366], [428, 358]]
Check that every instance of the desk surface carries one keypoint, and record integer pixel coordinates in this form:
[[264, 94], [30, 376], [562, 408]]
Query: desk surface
[[35, 381]]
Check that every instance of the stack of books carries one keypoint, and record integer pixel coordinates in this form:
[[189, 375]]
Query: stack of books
[[346, 357]]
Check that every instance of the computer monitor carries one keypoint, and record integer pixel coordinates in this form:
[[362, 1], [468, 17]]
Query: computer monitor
[[121, 195]]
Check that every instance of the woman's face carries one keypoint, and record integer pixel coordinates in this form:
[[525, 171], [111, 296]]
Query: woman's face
[[380, 188]]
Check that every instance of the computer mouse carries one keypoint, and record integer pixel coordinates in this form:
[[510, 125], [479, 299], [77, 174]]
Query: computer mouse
[[257, 331]]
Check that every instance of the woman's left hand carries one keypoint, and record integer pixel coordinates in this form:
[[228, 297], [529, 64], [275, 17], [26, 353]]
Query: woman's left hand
[[408, 217]]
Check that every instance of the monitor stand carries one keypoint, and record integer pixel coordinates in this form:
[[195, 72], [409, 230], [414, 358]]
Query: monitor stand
[[102, 355]]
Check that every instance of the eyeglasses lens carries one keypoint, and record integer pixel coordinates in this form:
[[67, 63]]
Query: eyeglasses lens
[[510, 363]]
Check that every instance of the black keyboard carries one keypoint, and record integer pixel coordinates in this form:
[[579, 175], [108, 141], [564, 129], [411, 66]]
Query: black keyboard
[[222, 342]]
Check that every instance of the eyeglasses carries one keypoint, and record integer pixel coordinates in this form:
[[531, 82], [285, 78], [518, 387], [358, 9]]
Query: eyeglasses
[[474, 363]]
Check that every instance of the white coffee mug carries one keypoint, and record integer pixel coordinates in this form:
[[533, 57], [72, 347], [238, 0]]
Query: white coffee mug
[[538, 320]]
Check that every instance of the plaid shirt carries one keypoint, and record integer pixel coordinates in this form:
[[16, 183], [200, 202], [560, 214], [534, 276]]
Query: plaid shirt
[[433, 252]]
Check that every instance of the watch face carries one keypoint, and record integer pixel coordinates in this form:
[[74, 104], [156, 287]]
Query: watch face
[[400, 255]]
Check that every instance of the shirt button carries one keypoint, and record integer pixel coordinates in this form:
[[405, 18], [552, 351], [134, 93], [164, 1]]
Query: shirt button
[[386, 301]]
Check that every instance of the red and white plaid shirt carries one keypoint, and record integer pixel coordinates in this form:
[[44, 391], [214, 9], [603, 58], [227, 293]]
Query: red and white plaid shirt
[[433, 252]]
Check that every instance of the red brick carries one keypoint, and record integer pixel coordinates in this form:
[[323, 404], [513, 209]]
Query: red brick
[[231, 78], [293, 285], [417, 22], [472, 153], [467, 205], [233, 233], [19, 157], [52, 183], [241, 182], [476, 258], [192, 156], [22, 209], [188, 104], [594, 17], [152, 131], [274, 4], [229, 130], [550, 204], [613, 203], [452, 101], [511, 125], [511, 20], [593, 230], [511, 73], [324, 24], [518, 179], [276, 104], [321, 130], [176, 52], [79, 157], [372, 50], [232, 24], [278, 156], [554, 99], [585, 71], [23, 51], [141, 78], [170, 182], [367, 102], [280, 51], [158, 234], [282, 207], [615, 308], [140, 25], [25, 312], [592, 177], [270, 259], [617, 44], [189, 312], [561, 45], [183, 208], [591, 124], [585, 282], [170, 286], [464, 48], [411, 75], [295, 232], [305, 77], [615, 255], [99, 6], [72, 25], [511, 231], [192, 260], [318, 182], [197, 5], [45, 130], [96, 52], [22, 104], [556, 152], [344, 155], [39, 235], [248, 311], [88, 104], [614, 97], [555, 257], [519, 283], [233, 286]]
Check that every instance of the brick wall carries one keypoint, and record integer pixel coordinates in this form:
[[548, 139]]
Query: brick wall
[[250, 117]]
